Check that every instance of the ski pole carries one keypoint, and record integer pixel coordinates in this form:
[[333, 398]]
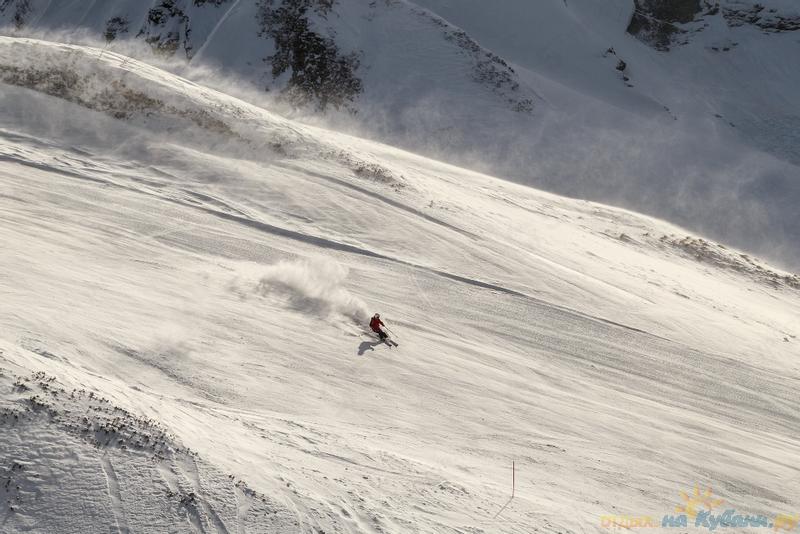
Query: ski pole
[[390, 331]]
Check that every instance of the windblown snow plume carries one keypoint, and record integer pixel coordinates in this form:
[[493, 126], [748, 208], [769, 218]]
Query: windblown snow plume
[[315, 287]]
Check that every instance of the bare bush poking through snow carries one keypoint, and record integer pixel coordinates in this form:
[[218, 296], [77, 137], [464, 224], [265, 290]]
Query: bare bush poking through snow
[[314, 287]]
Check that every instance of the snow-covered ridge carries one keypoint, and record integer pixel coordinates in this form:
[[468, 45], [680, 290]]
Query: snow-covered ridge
[[116, 85], [132, 91], [59, 75], [733, 260]]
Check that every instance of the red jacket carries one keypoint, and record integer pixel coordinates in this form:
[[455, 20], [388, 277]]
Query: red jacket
[[376, 324]]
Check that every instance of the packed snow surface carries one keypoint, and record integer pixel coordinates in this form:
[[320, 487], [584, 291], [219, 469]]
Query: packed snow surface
[[185, 284]]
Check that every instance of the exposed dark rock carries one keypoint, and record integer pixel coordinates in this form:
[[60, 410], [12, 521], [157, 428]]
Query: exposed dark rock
[[114, 27], [657, 21], [319, 72], [168, 26], [739, 14], [19, 8], [661, 23]]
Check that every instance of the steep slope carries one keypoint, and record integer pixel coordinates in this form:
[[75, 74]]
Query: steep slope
[[185, 267], [703, 134], [686, 110]]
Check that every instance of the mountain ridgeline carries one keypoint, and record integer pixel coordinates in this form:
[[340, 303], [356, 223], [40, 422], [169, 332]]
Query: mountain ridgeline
[[683, 109]]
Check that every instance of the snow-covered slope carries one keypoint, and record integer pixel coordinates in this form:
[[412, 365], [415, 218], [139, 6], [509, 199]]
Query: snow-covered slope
[[185, 282], [683, 109]]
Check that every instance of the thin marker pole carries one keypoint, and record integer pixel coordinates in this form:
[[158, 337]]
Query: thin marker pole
[[513, 489], [513, 478]]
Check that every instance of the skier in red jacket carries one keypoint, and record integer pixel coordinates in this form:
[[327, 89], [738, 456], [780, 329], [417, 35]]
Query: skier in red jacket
[[375, 323]]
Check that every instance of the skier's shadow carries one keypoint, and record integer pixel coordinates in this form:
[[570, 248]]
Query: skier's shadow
[[367, 345]]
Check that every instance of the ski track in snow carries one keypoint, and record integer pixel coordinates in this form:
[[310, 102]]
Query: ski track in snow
[[189, 468], [115, 496]]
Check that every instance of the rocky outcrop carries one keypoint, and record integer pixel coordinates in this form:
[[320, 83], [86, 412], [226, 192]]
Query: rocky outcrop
[[665, 23], [168, 26], [114, 27], [17, 9], [656, 22], [769, 20], [318, 71]]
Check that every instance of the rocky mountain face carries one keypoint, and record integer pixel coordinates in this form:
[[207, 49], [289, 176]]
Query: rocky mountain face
[[15, 11], [306, 64], [771, 20], [316, 52], [318, 71], [665, 23]]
